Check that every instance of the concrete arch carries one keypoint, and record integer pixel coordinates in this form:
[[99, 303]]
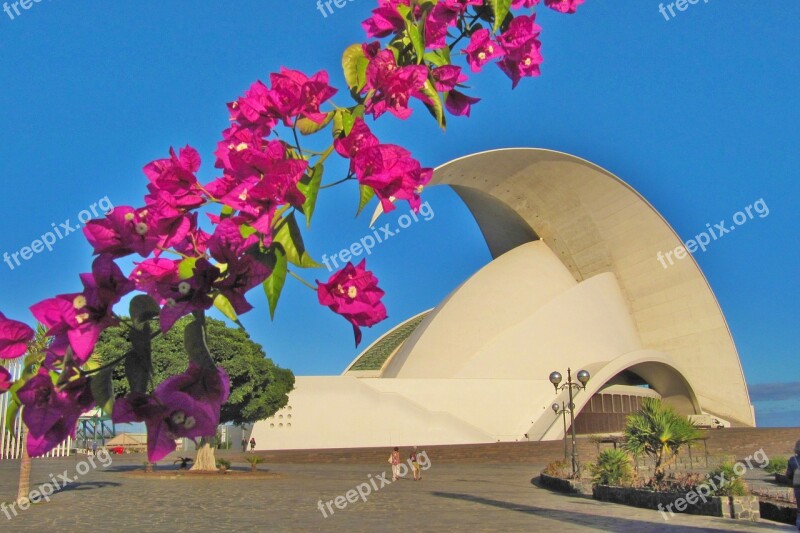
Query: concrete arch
[[663, 374], [597, 223]]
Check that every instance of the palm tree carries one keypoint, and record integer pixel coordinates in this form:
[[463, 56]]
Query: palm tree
[[659, 432], [37, 348]]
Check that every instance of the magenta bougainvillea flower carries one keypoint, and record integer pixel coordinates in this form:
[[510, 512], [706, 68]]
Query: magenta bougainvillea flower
[[564, 6], [481, 49], [186, 405], [177, 174], [122, 232], [393, 174], [160, 278], [522, 49], [251, 111], [393, 86], [50, 414], [14, 338], [459, 104], [76, 320], [5, 380], [353, 293], [385, 19], [359, 138], [441, 18], [295, 95]]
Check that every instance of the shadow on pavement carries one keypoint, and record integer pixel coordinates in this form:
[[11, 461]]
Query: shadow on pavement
[[89, 485], [573, 517]]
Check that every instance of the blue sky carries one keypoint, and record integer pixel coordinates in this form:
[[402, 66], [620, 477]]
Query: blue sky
[[698, 113]]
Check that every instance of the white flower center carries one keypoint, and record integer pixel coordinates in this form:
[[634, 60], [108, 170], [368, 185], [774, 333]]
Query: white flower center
[[241, 146], [352, 292], [184, 288], [178, 418], [83, 317], [170, 302], [482, 56], [141, 228], [79, 302], [129, 217], [190, 422]]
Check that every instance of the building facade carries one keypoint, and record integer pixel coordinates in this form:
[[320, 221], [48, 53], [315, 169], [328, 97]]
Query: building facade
[[574, 282]]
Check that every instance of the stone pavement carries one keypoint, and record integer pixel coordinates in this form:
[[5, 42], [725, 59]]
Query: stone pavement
[[450, 497]]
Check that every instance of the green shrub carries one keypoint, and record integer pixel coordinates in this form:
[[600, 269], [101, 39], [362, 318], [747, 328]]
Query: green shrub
[[223, 464], [734, 485], [254, 459], [777, 466], [613, 467]]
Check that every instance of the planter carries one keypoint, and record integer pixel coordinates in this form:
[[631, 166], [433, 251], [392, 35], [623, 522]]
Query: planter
[[785, 513], [669, 503], [567, 486]]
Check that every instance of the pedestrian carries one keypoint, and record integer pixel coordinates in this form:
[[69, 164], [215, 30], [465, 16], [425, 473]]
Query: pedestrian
[[94, 448], [252, 444], [793, 475], [394, 460], [244, 444], [415, 464]]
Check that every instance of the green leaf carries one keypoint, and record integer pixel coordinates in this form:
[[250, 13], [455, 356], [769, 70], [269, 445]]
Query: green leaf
[[225, 306], [501, 9], [436, 108], [11, 414], [354, 65], [306, 126], [439, 57], [290, 237], [416, 39], [311, 191], [273, 285], [102, 386], [367, 193], [186, 267], [143, 308]]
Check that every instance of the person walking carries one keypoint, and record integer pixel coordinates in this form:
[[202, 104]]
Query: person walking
[[415, 464], [252, 444], [394, 460], [793, 475], [244, 444]]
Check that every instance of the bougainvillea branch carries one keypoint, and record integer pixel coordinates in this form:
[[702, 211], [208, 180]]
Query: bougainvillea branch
[[418, 53]]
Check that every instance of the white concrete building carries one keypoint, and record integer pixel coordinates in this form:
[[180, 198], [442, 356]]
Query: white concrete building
[[574, 282]]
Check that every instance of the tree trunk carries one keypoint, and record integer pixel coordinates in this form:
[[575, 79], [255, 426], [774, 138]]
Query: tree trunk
[[205, 461], [24, 487]]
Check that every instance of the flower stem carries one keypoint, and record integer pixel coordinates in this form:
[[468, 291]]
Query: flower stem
[[301, 280]]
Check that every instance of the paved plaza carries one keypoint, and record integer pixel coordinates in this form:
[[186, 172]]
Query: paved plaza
[[450, 497]]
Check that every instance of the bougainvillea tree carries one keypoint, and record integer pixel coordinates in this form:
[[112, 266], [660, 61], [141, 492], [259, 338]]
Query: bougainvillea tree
[[200, 246]]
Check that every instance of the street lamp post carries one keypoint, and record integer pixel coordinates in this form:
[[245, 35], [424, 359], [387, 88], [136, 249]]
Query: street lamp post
[[583, 378], [562, 410]]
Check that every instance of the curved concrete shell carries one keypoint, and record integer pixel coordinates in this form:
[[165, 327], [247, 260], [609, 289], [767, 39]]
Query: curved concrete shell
[[595, 223], [574, 282]]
